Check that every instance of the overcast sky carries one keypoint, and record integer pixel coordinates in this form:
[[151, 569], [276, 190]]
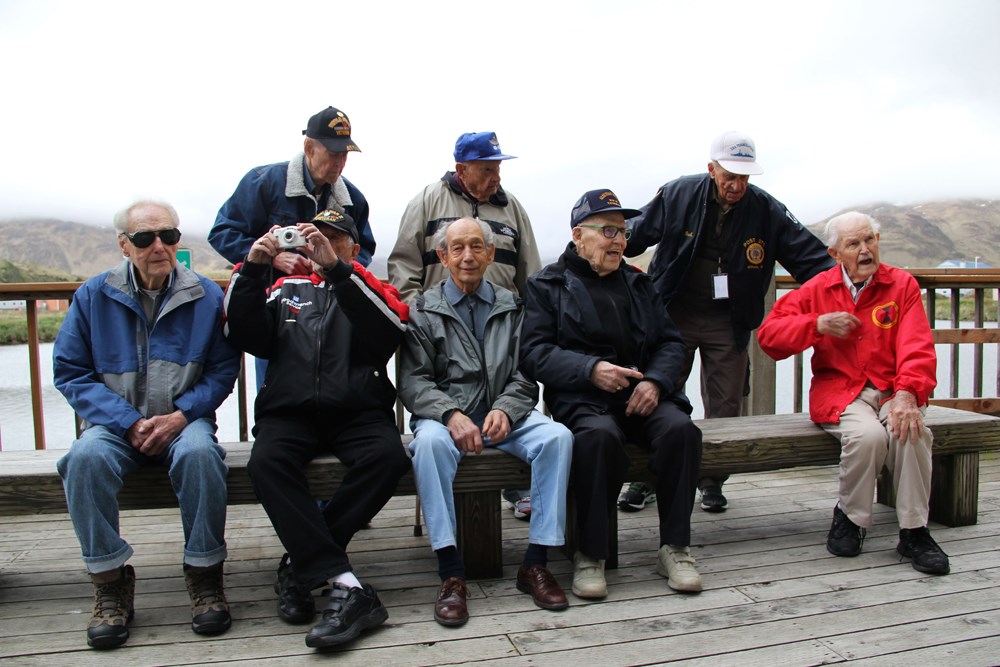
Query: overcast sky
[[849, 102]]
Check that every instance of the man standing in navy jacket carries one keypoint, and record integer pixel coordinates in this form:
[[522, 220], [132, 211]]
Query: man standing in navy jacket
[[286, 193], [718, 239]]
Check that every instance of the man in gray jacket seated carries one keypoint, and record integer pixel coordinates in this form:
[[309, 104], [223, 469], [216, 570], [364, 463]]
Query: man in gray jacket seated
[[459, 378]]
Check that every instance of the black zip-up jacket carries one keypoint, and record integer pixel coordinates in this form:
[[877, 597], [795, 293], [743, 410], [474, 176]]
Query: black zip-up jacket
[[559, 330], [327, 341], [763, 231]]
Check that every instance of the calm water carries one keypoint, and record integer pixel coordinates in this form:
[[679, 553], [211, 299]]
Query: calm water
[[16, 430]]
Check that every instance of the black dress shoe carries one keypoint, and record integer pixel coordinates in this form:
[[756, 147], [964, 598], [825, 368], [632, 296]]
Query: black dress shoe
[[294, 605], [348, 612]]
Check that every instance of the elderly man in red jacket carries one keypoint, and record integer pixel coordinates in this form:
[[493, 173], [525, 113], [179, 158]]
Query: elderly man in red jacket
[[873, 370]]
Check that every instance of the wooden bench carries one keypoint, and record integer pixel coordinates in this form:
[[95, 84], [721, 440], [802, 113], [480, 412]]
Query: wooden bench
[[29, 482], [773, 442]]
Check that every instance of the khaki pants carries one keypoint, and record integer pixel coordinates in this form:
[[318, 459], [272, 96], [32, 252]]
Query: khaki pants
[[867, 446]]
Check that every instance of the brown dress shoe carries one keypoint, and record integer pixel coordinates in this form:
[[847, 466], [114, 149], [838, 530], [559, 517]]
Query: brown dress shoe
[[451, 608], [542, 586]]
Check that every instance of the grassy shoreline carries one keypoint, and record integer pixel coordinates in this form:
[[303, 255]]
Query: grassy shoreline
[[14, 326]]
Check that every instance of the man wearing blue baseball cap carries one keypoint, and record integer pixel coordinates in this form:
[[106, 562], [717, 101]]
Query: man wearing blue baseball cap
[[719, 238], [472, 190]]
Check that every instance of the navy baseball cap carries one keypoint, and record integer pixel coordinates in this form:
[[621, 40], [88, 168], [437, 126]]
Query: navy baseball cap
[[479, 146], [339, 221], [598, 201], [332, 128]]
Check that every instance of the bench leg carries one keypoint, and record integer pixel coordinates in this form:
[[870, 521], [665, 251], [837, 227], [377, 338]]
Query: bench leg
[[954, 489], [479, 535]]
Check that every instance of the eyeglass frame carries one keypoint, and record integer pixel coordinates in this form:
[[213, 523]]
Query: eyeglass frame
[[625, 231], [157, 234]]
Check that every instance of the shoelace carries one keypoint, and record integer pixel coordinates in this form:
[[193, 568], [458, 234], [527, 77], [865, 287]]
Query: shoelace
[[110, 600], [206, 589]]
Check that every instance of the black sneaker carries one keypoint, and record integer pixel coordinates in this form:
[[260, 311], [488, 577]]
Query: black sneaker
[[209, 607], [712, 499], [294, 605], [924, 553], [114, 609], [637, 496], [348, 612], [845, 538]]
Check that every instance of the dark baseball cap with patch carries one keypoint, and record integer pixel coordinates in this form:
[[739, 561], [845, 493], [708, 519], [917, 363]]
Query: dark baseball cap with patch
[[339, 221], [332, 128], [598, 201]]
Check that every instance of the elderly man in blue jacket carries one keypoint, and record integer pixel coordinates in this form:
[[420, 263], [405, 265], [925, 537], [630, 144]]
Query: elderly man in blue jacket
[[142, 359]]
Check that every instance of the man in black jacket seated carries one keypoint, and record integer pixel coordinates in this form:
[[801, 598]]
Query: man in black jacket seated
[[328, 337], [598, 339]]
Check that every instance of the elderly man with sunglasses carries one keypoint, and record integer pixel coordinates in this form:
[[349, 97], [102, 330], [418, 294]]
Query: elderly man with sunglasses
[[609, 357], [142, 360]]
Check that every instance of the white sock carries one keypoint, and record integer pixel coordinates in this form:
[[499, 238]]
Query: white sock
[[346, 579]]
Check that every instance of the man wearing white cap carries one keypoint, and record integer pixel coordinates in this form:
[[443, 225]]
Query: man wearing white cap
[[718, 239]]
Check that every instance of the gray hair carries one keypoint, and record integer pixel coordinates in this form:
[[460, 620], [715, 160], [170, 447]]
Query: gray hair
[[122, 216], [832, 230], [441, 235]]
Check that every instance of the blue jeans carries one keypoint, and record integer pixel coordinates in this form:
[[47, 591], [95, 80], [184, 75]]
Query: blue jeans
[[545, 444], [93, 471]]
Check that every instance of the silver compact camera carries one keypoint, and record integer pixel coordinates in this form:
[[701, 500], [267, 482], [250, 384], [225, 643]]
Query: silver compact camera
[[289, 237]]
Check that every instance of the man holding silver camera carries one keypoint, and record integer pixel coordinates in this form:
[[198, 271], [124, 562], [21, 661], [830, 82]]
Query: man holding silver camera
[[328, 337]]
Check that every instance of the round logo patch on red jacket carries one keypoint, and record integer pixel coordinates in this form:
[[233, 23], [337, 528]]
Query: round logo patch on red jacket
[[886, 315]]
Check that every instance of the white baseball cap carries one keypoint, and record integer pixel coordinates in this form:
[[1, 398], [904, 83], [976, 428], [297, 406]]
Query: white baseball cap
[[736, 153]]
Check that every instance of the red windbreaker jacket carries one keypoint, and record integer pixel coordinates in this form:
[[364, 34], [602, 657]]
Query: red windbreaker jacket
[[892, 348]]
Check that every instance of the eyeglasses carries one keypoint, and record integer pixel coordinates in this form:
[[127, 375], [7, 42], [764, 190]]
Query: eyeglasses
[[610, 231], [145, 239]]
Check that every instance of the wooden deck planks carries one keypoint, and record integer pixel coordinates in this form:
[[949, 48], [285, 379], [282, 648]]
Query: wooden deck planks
[[773, 595]]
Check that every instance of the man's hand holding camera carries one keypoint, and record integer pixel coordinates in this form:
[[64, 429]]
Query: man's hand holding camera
[[269, 249]]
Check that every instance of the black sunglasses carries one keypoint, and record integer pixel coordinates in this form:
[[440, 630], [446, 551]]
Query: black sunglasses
[[145, 239]]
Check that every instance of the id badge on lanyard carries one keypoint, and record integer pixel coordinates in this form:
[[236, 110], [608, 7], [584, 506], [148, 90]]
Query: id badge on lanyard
[[720, 284]]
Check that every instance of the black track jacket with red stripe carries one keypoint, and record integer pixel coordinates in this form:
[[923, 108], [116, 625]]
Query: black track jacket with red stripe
[[327, 341]]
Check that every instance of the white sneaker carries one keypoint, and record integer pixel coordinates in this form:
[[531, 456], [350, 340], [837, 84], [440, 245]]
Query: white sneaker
[[588, 577], [677, 565]]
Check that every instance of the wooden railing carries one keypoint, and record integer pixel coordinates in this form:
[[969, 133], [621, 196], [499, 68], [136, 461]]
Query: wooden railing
[[985, 319]]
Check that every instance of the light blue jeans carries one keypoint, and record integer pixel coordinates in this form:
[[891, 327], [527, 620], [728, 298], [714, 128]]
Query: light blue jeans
[[95, 467], [545, 444]]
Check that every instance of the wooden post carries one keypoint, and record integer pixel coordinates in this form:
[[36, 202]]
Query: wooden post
[[36, 375], [479, 514]]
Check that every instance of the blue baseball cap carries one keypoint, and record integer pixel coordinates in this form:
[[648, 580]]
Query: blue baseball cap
[[479, 146], [598, 201]]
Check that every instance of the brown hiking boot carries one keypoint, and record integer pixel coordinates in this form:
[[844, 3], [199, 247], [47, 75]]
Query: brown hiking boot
[[114, 607], [209, 609]]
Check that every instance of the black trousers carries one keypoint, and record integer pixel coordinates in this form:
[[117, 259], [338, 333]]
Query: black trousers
[[366, 442], [600, 465]]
